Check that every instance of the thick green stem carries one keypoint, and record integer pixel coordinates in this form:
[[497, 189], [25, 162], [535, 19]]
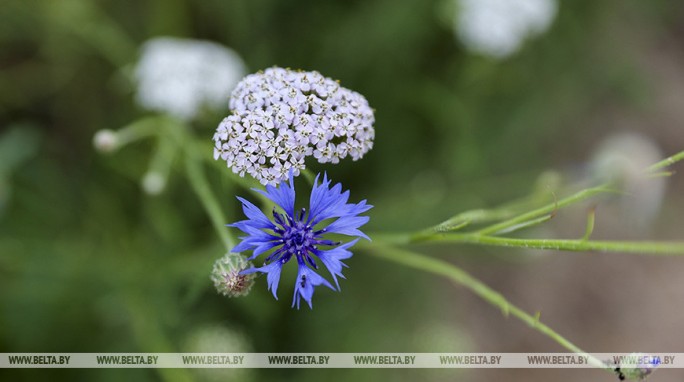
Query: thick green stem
[[461, 277]]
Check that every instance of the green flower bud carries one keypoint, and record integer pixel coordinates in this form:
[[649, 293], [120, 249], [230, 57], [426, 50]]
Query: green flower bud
[[638, 366], [227, 278]]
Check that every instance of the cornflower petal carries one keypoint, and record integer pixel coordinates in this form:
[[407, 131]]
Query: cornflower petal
[[257, 218], [284, 196], [348, 225], [304, 287], [272, 275], [332, 260]]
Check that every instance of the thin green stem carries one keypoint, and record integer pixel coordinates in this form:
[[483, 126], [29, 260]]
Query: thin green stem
[[479, 216], [579, 245], [667, 162], [461, 277], [547, 209], [162, 159], [200, 148], [446, 226], [177, 132], [198, 180], [529, 218], [466, 218], [199, 183], [141, 128], [527, 224]]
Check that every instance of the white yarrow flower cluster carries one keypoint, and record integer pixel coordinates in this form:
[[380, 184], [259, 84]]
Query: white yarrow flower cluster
[[498, 28], [179, 76], [281, 116]]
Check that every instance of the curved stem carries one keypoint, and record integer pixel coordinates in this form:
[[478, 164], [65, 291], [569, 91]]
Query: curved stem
[[461, 277], [199, 183]]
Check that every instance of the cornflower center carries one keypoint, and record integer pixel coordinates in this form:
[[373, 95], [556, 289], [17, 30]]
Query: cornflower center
[[297, 238]]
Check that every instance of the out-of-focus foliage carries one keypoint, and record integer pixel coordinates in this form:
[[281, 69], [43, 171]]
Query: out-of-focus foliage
[[89, 263]]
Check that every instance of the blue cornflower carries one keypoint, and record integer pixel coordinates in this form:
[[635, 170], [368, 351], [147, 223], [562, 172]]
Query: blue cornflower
[[300, 234]]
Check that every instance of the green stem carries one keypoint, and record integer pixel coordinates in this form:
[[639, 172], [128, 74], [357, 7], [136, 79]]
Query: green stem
[[547, 209], [177, 131], [666, 162], [198, 180], [580, 245], [200, 184], [142, 128], [162, 159], [459, 276], [201, 148], [481, 216]]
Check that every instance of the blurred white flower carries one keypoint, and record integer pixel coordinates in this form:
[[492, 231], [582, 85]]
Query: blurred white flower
[[153, 183], [219, 339], [105, 141], [179, 76], [623, 158], [498, 28]]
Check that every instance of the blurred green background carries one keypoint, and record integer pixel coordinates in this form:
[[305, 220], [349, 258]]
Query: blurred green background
[[90, 263]]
